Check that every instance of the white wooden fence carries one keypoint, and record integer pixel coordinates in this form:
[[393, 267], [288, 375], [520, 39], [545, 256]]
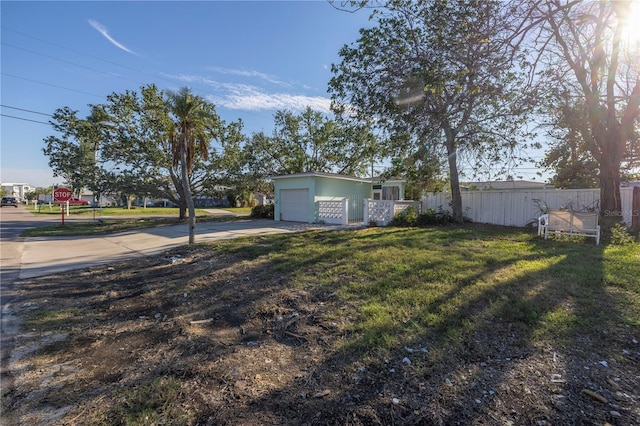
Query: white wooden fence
[[522, 208]]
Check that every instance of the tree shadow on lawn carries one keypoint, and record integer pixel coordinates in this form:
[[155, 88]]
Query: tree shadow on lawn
[[526, 350], [272, 332]]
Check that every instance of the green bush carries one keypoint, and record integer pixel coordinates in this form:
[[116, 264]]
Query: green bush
[[263, 212], [620, 235], [411, 218], [432, 217], [407, 217]]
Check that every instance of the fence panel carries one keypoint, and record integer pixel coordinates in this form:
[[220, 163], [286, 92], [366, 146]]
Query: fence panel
[[522, 208], [333, 211]]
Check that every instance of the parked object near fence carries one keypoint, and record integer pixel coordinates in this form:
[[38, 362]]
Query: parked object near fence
[[522, 208], [561, 222]]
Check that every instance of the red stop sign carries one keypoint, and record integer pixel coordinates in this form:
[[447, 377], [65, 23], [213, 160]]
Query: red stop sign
[[62, 194]]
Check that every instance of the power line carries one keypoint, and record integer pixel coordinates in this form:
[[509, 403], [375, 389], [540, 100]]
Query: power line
[[69, 49], [52, 85], [24, 119], [25, 110], [69, 62], [156, 76]]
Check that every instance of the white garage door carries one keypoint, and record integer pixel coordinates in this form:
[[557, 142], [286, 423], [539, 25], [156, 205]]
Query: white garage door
[[294, 205]]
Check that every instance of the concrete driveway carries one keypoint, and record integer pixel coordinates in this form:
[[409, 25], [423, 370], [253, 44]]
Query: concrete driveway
[[46, 255]]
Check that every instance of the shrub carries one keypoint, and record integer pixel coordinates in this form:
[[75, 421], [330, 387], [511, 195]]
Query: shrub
[[432, 217], [263, 212], [620, 235], [410, 217], [407, 217]]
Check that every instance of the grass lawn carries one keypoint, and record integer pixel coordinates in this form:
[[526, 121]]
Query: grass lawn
[[448, 325], [116, 219], [110, 211]]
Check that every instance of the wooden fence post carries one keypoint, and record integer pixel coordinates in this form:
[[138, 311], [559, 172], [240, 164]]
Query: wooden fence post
[[635, 209]]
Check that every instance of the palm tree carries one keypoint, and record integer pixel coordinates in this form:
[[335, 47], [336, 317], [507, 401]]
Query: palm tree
[[194, 125]]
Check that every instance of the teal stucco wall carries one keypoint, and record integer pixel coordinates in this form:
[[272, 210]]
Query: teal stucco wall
[[323, 188]]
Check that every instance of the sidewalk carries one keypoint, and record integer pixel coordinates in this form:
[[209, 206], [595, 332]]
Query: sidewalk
[[43, 256]]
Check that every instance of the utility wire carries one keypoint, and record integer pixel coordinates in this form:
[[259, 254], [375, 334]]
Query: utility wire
[[69, 62], [24, 119], [25, 110], [157, 76], [52, 85]]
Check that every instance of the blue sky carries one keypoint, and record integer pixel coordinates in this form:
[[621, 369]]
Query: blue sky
[[249, 58]]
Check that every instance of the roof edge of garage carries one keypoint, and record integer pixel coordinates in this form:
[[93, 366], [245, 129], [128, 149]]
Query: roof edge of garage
[[322, 174]]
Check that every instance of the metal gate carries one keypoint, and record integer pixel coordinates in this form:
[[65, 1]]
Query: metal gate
[[356, 208]]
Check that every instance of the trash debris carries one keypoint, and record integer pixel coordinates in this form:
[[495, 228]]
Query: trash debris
[[204, 321], [604, 363], [395, 401], [411, 350], [406, 360], [595, 395], [322, 394]]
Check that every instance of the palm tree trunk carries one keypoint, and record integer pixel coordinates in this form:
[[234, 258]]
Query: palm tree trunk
[[187, 191]]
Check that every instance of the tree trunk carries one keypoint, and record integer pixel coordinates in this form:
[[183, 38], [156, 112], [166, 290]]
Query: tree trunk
[[456, 197], [610, 201], [187, 191], [182, 206]]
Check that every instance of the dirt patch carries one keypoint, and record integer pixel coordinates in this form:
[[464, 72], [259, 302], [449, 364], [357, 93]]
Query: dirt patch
[[198, 338]]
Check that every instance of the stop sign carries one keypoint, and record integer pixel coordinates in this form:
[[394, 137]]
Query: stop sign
[[62, 194]]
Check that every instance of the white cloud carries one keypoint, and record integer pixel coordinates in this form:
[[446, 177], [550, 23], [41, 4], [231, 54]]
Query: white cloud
[[103, 30], [245, 73], [252, 98]]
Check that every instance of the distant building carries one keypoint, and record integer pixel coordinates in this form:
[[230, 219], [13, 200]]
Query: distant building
[[505, 185], [16, 189]]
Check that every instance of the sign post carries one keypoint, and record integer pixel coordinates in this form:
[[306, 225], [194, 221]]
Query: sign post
[[61, 195]]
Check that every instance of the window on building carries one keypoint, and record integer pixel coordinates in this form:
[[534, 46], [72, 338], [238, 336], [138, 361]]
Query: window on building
[[391, 193]]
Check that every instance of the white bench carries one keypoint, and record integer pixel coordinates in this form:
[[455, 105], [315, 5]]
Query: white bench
[[562, 222]]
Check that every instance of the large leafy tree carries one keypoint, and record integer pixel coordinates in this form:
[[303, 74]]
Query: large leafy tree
[[567, 153], [584, 51], [74, 152], [142, 148], [437, 76], [194, 125], [232, 169], [131, 145], [310, 141], [139, 149]]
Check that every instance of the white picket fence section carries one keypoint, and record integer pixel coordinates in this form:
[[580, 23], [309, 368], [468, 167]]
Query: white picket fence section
[[522, 208]]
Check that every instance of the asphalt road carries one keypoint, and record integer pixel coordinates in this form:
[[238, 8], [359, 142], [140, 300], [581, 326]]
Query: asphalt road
[[12, 222]]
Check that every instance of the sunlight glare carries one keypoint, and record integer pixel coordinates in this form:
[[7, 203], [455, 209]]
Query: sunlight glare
[[631, 25]]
